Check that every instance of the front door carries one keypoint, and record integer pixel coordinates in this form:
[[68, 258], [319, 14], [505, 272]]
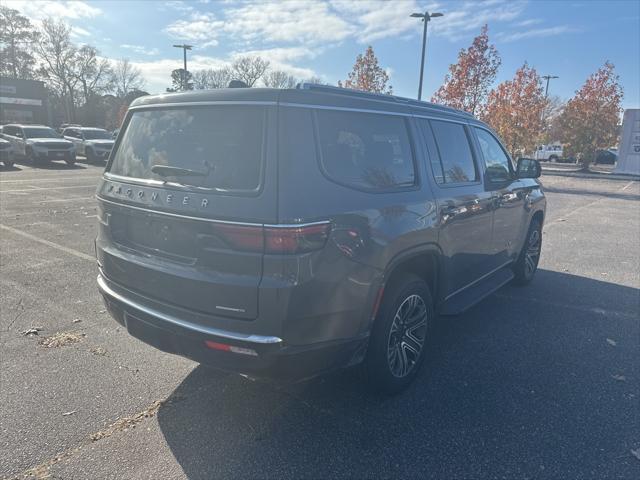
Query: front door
[[509, 195]]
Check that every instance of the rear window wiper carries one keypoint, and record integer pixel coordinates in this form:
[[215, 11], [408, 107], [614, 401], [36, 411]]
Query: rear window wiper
[[169, 171]]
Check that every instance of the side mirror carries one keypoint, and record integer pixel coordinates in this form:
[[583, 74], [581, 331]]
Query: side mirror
[[528, 168]]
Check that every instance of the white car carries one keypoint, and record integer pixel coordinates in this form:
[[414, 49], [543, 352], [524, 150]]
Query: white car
[[94, 143], [37, 143]]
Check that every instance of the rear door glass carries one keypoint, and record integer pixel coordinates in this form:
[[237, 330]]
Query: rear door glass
[[456, 158], [221, 146], [366, 151]]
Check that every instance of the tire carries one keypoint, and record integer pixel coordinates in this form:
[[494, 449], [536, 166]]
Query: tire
[[527, 263], [8, 163], [71, 161], [396, 349], [91, 158], [31, 158], [553, 158]]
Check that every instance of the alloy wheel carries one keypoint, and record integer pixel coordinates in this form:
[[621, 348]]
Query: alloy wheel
[[532, 254], [407, 336]]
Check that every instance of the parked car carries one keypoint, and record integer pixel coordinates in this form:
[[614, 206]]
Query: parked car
[[6, 153], [609, 156], [284, 233], [64, 126], [36, 143], [94, 143]]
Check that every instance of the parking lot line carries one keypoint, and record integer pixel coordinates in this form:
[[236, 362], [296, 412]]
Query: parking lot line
[[52, 179], [71, 199], [44, 189], [57, 246]]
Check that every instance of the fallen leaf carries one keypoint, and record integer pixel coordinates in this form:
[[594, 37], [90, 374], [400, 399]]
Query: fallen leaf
[[636, 453], [76, 320], [613, 343], [61, 339], [620, 378], [32, 331], [66, 414]]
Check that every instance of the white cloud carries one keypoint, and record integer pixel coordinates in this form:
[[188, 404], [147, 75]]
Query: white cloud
[[535, 33], [529, 22], [199, 27], [39, 9], [281, 54], [79, 32], [140, 49], [301, 22]]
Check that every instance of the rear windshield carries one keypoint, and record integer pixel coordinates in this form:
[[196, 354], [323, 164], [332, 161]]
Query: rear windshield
[[221, 145]]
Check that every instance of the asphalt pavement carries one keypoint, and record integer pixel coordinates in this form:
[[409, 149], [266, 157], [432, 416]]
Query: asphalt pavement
[[534, 382]]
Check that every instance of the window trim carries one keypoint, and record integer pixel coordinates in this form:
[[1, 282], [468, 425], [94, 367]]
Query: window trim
[[256, 192], [474, 156], [320, 161], [491, 184]]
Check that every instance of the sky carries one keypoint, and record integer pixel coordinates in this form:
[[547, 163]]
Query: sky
[[570, 39]]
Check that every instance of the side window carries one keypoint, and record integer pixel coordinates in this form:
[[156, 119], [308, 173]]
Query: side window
[[456, 159], [365, 151], [495, 159]]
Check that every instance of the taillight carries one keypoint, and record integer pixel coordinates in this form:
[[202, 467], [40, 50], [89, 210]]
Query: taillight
[[273, 239], [296, 239]]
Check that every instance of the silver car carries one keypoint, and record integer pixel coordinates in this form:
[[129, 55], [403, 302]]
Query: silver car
[[94, 143], [37, 143]]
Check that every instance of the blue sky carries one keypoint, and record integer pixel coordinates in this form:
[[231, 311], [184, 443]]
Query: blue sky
[[570, 39]]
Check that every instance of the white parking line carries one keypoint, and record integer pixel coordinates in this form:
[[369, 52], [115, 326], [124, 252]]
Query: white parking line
[[71, 199], [52, 179], [44, 189], [62, 248]]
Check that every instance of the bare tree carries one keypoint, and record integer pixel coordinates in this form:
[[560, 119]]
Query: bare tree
[[279, 79], [93, 73], [126, 78], [249, 69], [57, 56], [16, 36], [211, 78]]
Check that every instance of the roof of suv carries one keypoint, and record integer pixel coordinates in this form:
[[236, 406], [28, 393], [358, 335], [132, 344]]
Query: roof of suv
[[310, 94]]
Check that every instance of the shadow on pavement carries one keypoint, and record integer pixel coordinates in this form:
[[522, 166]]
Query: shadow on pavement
[[522, 385]]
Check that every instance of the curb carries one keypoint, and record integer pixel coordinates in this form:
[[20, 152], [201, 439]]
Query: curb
[[592, 175]]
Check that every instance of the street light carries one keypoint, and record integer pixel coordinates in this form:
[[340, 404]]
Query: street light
[[547, 78], [426, 16], [183, 80], [546, 93]]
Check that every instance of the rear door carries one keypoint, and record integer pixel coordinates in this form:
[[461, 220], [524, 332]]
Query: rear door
[[183, 204], [464, 207]]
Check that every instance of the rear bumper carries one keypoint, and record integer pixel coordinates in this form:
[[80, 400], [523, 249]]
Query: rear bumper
[[273, 358]]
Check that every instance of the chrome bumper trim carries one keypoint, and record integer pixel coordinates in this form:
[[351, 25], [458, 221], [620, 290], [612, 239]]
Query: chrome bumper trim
[[242, 337]]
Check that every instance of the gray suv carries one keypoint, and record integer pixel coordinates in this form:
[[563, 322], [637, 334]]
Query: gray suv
[[285, 233]]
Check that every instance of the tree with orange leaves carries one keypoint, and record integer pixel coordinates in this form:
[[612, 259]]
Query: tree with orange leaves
[[590, 119], [468, 82], [367, 75], [514, 110]]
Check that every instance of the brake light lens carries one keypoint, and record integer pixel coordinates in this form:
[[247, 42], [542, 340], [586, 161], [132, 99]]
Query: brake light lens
[[223, 347], [290, 240], [274, 239]]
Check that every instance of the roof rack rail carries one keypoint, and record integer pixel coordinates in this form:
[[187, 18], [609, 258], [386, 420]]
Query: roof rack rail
[[380, 96]]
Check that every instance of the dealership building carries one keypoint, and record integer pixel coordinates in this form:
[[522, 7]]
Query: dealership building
[[23, 101]]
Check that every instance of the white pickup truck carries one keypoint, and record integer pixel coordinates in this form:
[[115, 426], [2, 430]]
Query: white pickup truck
[[549, 153]]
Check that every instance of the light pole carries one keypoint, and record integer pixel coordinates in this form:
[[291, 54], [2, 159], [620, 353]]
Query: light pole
[[546, 94], [426, 16], [547, 78], [183, 80]]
